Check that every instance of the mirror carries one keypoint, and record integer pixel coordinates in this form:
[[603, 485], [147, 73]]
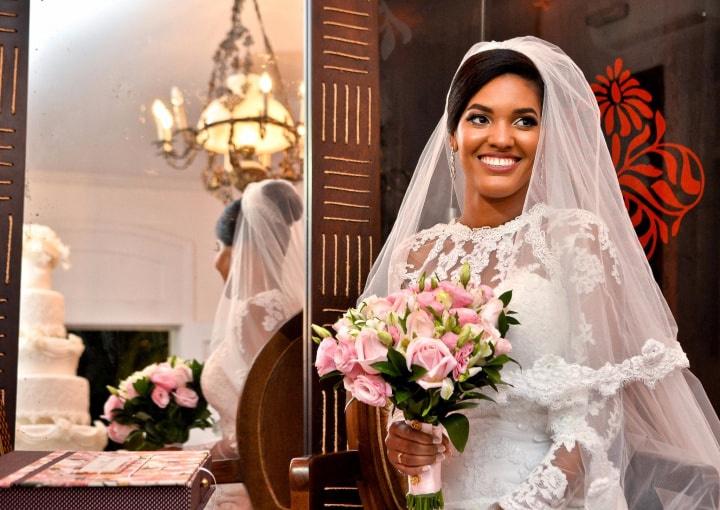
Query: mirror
[[140, 233]]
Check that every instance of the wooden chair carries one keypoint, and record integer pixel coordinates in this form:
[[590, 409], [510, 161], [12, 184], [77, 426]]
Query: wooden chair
[[269, 421], [320, 481]]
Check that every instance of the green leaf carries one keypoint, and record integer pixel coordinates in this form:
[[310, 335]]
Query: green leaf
[[512, 320], [398, 361], [503, 324], [505, 297], [458, 429], [417, 372], [330, 375], [462, 405], [387, 368], [142, 386], [401, 396]]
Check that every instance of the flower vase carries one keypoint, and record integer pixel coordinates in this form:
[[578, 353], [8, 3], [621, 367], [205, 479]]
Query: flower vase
[[425, 489]]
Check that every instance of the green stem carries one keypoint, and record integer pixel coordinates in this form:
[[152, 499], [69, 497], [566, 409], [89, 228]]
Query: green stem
[[432, 501]]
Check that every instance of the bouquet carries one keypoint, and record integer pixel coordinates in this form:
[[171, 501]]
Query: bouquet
[[429, 350], [157, 406]]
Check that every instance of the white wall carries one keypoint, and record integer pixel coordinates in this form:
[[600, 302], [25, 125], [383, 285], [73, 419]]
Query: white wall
[[142, 251]]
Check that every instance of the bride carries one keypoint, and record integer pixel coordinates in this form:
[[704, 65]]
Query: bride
[[261, 261], [603, 413]]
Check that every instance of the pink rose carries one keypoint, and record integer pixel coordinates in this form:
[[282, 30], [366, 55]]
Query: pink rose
[[325, 359], [502, 346], [433, 355], [160, 397], [118, 432], [183, 374], [428, 299], [395, 333], [491, 311], [377, 307], [463, 358], [466, 316], [369, 350], [113, 402], [185, 397], [401, 301], [371, 390], [419, 323], [450, 339], [460, 297], [164, 376], [345, 357]]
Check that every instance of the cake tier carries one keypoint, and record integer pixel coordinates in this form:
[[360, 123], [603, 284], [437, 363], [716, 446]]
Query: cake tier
[[49, 355], [61, 436], [50, 398], [42, 313], [35, 274]]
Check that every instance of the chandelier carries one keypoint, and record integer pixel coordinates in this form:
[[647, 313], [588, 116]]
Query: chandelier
[[245, 128]]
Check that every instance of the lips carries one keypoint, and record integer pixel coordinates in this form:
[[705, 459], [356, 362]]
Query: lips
[[499, 163]]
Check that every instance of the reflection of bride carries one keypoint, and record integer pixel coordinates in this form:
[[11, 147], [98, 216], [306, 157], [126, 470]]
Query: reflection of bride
[[266, 252], [603, 414]]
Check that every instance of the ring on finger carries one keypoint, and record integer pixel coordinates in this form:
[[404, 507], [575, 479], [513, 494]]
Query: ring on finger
[[399, 458]]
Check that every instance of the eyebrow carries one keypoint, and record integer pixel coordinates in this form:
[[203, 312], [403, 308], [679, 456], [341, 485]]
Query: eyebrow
[[518, 111]]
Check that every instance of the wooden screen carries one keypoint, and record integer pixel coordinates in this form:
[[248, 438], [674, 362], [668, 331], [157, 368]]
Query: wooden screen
[[14, 35]]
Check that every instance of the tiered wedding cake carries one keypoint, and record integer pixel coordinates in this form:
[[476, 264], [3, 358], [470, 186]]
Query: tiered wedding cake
[[52, 401]]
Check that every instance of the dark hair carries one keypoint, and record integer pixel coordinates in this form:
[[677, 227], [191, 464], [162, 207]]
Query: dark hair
[[480, 69], [227, 222], [282, 194]]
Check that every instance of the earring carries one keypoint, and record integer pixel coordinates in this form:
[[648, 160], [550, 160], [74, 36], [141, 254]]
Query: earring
[[452, 164]]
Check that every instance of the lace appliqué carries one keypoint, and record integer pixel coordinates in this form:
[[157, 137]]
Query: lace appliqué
[[545, 488], [541, 383], [273, 303]]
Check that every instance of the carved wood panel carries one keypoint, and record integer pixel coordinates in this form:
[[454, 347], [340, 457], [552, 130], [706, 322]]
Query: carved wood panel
[[14, 35]]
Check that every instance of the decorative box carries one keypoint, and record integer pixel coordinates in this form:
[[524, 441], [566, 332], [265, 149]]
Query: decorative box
[[158, 480]]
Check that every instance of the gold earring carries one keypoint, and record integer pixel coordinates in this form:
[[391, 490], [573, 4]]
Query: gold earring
[[452, 164]]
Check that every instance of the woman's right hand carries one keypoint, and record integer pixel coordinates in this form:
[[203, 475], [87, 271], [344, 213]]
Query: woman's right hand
[[412, 451]]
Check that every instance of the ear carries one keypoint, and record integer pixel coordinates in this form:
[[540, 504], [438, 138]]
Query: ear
[[453, 143]]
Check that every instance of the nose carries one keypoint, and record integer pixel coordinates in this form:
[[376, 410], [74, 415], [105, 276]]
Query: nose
[[500, 135]]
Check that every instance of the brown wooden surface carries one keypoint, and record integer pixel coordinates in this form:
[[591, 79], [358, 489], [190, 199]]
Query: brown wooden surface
[[269, 421], [345, 182], [14, 35], [321, 481]]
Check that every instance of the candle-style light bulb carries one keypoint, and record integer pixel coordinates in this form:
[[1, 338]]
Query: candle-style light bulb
[[163, 122], [178, 106], [266, 83]]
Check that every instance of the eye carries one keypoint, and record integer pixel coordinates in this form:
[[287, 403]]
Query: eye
[[526, 122], [478, 119]]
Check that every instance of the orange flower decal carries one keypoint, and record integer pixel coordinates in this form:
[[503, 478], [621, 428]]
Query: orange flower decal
[[660, 181], [620, 97]]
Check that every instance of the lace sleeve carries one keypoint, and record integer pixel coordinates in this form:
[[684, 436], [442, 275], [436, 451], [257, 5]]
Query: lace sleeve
[[581, 386]]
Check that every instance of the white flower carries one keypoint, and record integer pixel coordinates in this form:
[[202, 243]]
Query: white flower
[[446, 390]]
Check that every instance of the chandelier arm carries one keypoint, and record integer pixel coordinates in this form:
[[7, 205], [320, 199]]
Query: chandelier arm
[[273, 58]]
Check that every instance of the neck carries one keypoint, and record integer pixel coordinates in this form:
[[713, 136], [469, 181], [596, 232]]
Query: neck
[[482, 211]]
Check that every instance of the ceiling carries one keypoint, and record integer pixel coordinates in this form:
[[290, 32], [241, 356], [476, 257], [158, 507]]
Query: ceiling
[[96, 66]]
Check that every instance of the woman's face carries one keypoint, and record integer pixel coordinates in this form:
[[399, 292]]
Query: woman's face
[[496, 140]]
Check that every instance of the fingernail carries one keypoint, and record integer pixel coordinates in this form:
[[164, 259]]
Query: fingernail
[[437, 440], [441, 448], [425, 469]]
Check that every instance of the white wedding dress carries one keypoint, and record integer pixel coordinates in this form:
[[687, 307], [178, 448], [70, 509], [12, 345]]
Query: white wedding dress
[[509, 456]]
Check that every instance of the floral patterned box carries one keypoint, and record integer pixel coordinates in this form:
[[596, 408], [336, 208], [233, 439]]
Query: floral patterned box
[[172, 480]]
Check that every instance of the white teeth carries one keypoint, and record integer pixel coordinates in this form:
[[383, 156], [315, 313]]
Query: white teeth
[[489, 160]]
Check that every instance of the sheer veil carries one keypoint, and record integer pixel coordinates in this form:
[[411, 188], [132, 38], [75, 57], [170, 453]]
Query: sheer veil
[[262, 291], [618, 387]]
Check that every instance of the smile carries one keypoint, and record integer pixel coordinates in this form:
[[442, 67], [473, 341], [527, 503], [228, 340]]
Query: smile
[[499, 164]]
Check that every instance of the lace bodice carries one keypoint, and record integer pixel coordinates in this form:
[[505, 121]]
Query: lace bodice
[[558, 400], [225, 372]]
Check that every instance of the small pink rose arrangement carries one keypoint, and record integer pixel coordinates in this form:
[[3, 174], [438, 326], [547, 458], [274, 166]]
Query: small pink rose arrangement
[[429, 350], [157, 405]]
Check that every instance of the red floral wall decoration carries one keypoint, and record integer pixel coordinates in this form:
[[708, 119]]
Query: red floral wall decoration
[[660, 181]]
